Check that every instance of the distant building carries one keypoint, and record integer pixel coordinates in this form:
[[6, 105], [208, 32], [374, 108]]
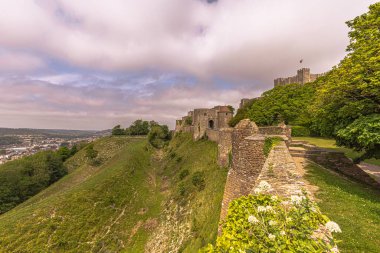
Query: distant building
[[199, 120], [303, 76]]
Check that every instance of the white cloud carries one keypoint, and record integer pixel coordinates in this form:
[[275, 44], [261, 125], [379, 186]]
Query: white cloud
[[238, 39]]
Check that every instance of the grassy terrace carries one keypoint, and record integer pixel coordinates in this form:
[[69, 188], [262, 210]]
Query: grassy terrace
[[330, 144], [354, 206]]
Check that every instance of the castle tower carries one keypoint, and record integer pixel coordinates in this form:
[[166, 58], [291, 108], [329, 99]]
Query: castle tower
[[303, 75]]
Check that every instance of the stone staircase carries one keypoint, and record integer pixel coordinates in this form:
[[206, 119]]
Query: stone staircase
[[305, 150], [331, 159]]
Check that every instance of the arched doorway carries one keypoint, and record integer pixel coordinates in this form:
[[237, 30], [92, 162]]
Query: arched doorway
[[211, 124]]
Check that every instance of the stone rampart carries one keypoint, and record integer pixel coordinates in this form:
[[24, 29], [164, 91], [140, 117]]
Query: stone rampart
[[225, 146], [212, 135], [247, 160], [276, 130]]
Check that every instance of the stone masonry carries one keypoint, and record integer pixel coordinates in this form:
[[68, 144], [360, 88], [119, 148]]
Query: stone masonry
[[303, 76], [200, 120], [247, 161]]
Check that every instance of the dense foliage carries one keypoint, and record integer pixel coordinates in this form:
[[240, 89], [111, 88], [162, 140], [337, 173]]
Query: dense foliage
[[117, 130], [25, 177], [268, 223], [138, 127], [362, 134], [300, 131], [287, 103], [159, 135]]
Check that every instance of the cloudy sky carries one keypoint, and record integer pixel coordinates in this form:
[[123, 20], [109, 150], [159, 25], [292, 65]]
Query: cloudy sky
[[90, 64]]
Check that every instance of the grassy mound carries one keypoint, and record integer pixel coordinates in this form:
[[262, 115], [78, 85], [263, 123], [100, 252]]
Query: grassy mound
[[136, 198]]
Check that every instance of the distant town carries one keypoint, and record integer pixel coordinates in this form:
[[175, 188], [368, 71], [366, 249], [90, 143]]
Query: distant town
[[17, 143]]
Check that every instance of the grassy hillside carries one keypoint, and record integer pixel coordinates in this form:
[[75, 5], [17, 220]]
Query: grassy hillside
[[194, 185], [134, 200]]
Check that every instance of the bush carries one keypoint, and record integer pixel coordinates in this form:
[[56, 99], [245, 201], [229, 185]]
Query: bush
[[159, 136], [183, 174], [300, 131], [198, 180], [266, 223], [25, 177]]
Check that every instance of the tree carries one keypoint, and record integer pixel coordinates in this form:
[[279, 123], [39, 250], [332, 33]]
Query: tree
[[287, 103], [64, 152], [139, 127], [117, 130], [159, 135], [352, 89], [91, 153], [362, 135]]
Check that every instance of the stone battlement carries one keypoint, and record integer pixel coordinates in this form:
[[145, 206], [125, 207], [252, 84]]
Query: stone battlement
[[303, 76]]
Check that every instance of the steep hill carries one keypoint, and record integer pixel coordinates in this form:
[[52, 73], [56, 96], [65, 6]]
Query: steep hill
[[137, 200]]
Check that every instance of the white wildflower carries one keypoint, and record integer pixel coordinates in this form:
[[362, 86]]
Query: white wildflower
[[313, 209], [296, 200], [269, 209], [282, 233], [264, 185], [274, 198], [271, 237], [261, 209], [272, 223], [252, 219], [333, 227], [285, 203], [335, 249]]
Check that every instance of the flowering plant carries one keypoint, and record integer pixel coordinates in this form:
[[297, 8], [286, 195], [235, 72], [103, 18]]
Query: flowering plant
[[269, 223]]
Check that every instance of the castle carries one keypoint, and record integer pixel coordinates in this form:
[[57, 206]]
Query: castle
[[303, 76], [200, 120]]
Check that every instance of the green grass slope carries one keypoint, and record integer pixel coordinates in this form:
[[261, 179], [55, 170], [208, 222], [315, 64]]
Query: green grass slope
[[354, 206], [93, 211], [193, 184], [138, 200]]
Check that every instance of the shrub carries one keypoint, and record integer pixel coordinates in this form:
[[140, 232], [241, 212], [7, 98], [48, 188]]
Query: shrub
[[268, 223], [159, 136], [182, 189], [300, 131], [198, 180], [183, 174]]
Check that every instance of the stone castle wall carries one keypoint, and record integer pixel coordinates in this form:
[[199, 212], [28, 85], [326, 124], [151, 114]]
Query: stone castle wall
[[212, 135], [203, 119], [303, 76], [247, 160], [225, 147]]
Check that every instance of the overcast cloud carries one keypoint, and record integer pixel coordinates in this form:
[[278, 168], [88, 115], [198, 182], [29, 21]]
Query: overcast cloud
[[93, 64]]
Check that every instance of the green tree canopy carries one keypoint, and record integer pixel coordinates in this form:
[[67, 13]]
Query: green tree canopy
[[159, 135], [352, 89], [117, 130]]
